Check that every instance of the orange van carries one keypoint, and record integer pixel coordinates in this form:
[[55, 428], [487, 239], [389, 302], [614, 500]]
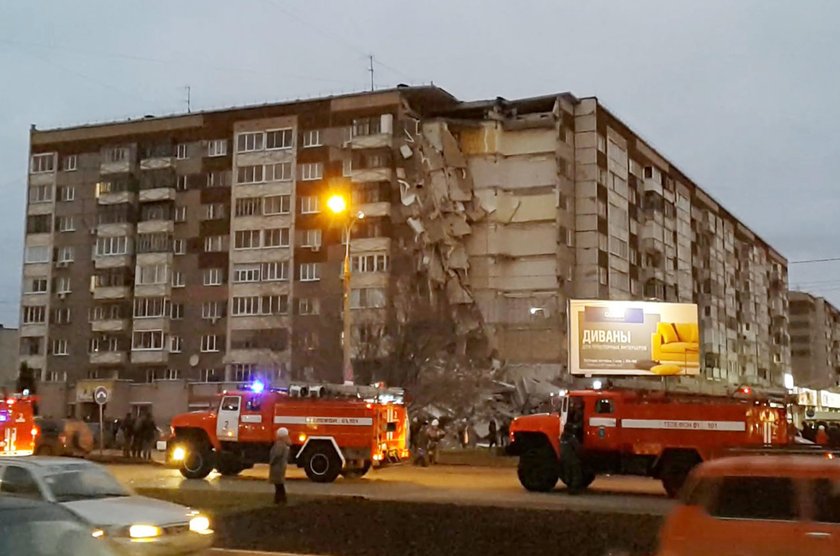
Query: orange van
[[772, 505]]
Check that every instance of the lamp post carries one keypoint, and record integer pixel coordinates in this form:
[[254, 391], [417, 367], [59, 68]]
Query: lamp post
[[338, 206]]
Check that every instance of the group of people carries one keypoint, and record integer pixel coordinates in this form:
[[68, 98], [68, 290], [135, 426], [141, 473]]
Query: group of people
[[824, 434], [424, 440], [138, 435]]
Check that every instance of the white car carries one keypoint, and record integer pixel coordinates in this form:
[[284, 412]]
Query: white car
[[139, 524]]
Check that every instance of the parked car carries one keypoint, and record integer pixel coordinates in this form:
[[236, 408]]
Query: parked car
[[36, 528], [140, 525], [62, 437], [758, 505]]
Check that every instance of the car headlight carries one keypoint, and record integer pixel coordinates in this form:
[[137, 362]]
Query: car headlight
[[200, 524], [144, 531]]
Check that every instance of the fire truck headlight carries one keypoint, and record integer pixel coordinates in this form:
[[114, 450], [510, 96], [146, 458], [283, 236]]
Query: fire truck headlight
[[179, 453], [144, 531], [201, 525], [302, 437]]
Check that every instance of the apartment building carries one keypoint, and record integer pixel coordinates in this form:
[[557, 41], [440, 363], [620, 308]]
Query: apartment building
[[814, 341], [197, 247]]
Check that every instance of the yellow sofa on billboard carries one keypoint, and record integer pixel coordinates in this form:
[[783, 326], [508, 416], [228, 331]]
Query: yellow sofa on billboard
[[676, 341]]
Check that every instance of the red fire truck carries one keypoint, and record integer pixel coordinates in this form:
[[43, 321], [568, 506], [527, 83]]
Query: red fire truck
[[334, 430], [17, 426], [631, 432]]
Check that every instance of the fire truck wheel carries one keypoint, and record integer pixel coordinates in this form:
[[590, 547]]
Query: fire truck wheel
[[322, 464], [538, 470], [229, 466], [356, 472], [198, 463]]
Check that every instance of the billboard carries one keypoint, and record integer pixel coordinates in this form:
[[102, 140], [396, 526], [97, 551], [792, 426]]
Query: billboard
[[633, 338]]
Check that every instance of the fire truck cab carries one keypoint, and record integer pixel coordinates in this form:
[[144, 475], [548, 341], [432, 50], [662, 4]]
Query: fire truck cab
[[17, 426], [647, 433], [334, 430]]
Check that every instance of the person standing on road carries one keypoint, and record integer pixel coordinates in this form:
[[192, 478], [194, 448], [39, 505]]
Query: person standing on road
[[128, 434], [492, 434], [504, 433], [822, 436], [148, 435], [277, 460]]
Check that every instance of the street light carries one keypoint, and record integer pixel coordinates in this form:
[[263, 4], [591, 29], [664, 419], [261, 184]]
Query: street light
[[338, 205]]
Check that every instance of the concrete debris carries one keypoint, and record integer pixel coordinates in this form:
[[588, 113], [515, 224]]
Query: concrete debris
[[459, 189], [506, 207], [407, 195], [456, 225], [457, 257], [456, 293], [416, 225], [406, 151], [451, 151]]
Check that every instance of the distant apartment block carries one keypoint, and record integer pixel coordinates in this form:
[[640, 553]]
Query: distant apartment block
[[197, 247], [814, 341]]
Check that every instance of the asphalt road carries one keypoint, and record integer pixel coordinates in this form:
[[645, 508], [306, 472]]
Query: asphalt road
[[484, 486]]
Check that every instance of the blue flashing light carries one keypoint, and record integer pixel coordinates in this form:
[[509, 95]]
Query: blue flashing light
[[257, 387]]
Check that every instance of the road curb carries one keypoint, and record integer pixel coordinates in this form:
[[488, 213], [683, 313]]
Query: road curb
[[235, 552]]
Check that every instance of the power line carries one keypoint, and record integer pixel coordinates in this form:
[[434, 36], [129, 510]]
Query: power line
[[812, 261]]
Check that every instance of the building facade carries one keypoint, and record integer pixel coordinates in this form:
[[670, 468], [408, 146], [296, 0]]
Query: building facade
[[197, 247], [814, 341]]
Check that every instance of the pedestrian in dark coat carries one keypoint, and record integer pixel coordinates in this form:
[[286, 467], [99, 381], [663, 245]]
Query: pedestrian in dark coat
[[277, 460], [492, 434], [128, 434]]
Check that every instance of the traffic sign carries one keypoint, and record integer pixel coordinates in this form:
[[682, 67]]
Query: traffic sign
[[100, 395]]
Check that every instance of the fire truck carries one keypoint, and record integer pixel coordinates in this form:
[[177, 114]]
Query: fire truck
[[334, 430], [632, 432], [17, 426]]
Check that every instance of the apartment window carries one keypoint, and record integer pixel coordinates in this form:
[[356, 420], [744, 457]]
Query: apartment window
[[211, 310], [310, 238], [182, 183], [274, 304], [219, 178], [347, 167], [34, 314], [176, 311], [246, 239], [367, 297], [369, 263], [309, 205], [308, 306], [602, 143], [176, 344], [209, 343], [276, 237], [38, 224], [31, 345], [367, 126], [277, 204], [179, 246], [215, 244], [180, 214], [178, 280], [152, 274], [150, 307], [60, 347], [244, 372], [245, 306], [248, 206], [36, 285], [276, 271], [366, 193], [213, 211], [70, 163], [62, 285], [217, 147], [107, 246], [282, 171], [61, 316], [619, 247], [279, 139], [312, 138], [213, 276], [37, 254], [43, 163], [249, 142], [147, 340], [309, 272], [311, 171], [66, 193], [246, 273], [250, 174], [117, 154], [40, 194], [154, 243], [208, 375], [181, 151], [260, 305], [65, 254]]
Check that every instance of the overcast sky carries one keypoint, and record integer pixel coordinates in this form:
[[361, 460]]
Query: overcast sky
[[741, 95]]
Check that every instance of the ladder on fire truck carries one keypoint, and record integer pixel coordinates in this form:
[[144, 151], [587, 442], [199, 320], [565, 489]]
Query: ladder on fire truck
[[373, 393]]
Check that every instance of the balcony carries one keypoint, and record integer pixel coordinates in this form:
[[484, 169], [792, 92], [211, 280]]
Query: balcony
[[109, 325], [111, 292], [113, 261], [375, 209], [116, 198], [157, 162], [149, 356], [364, 175], [372, 133], [108, 358], [152, 194], [118, 167], [152, 290], [156, 227]]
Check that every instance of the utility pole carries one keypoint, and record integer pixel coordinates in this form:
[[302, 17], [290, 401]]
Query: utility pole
[[370, 69]]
